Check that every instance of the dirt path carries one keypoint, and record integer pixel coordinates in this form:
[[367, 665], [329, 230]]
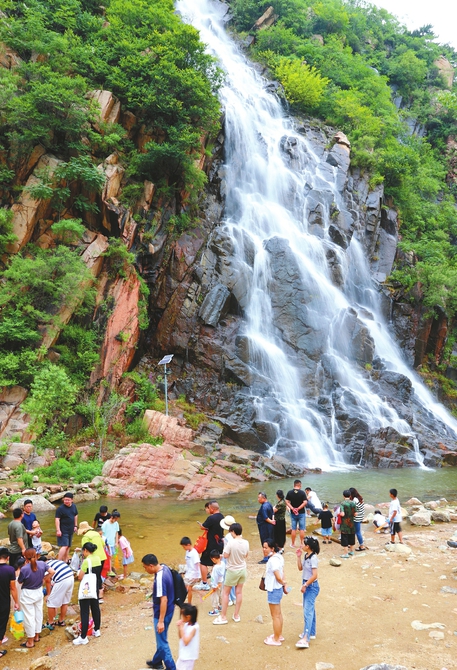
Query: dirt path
[[364, 614]]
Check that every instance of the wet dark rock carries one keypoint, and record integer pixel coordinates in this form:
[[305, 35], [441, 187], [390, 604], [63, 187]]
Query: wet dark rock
[[337, 236], [214, 305]]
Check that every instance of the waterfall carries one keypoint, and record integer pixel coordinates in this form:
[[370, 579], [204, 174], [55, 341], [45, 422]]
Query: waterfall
[[298, 321]]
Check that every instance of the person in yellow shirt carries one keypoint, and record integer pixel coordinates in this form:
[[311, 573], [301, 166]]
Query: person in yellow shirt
[[91, 535]]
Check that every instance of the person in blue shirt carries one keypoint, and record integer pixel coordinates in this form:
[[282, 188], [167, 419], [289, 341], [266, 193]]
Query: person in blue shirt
[[265, 520], [27, 520], [163, 596]]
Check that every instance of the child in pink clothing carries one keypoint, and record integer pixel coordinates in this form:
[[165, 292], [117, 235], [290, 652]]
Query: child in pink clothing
[[127, 553]]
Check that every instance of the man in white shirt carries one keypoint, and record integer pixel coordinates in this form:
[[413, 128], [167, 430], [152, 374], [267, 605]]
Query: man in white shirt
[[235, 554], [314, 504]]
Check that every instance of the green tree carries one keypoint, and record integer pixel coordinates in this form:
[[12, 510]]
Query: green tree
[[52, 398]]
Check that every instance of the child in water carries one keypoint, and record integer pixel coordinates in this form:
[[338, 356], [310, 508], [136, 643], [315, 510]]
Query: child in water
[[189, 638]]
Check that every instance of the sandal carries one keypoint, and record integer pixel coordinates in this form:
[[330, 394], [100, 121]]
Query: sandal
[[49, 626], [26, 646], [272, 642], [61, 623], [214, 612], [360, 549], [3, 652]]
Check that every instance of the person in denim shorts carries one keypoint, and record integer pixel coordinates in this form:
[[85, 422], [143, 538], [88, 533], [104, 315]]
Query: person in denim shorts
[[296, 501]]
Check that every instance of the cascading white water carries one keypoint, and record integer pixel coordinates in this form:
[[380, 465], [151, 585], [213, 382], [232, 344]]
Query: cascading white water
[[266, 211]]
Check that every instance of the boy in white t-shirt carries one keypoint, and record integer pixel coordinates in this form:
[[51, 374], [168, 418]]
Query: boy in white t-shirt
[[395, 517], [192, 575]]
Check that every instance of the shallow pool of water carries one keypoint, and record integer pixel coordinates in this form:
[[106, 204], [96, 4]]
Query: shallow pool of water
[[157, 525]]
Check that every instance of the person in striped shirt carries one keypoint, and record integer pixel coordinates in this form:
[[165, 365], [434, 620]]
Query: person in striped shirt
[[62, 584]]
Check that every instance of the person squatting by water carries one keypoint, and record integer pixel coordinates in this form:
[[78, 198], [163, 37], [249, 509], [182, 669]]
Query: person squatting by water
[[310, 589]]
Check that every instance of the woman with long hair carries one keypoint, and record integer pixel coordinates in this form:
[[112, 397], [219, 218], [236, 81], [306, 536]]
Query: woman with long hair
[[359, 517], [280, 517], [31, 578], [310, 588], [90, 563], [274, 585]]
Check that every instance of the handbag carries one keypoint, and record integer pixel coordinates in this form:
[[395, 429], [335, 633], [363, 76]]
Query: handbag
[[88, 585], [202, 542], [262, 584]]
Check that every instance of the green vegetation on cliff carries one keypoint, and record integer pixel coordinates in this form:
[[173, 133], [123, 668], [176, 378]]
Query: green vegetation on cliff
[[53, 55], [377, 81]]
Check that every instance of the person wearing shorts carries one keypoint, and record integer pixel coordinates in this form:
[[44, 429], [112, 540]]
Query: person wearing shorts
[[296, 501], [235, 554], [62, 584], [66, 524], [395, 517], [274, 585]]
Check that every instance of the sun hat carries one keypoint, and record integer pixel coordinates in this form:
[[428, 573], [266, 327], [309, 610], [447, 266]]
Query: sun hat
[[227, 522], [83, 528]]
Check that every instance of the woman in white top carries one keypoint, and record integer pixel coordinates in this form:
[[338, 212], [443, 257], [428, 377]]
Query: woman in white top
[[310, 588], [274, 584]]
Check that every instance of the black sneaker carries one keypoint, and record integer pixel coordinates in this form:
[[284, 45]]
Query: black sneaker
[[451, 543], [155, 666]]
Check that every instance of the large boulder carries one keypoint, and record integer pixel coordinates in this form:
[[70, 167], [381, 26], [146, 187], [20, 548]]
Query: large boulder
[[441, 515], [40, 503], [18, 453], [423, 518]]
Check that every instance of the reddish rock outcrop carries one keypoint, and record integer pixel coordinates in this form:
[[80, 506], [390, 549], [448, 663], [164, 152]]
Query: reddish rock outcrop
[[12, 420], [27, 211], [169, 428], [122, 330]]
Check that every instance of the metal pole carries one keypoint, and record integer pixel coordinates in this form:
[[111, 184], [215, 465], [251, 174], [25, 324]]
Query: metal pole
[[166, 391]]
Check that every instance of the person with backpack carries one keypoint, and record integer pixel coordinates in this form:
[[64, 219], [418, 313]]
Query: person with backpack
[[163, 603]]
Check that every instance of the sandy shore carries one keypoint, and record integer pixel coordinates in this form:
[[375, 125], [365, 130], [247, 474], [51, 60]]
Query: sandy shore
[[364, 614]]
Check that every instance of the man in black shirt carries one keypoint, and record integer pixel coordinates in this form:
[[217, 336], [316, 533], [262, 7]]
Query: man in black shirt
[[66, 524], [215, 541], [296, 501]]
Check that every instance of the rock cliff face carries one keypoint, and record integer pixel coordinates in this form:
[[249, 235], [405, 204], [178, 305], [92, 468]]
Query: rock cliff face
[[198, 299]]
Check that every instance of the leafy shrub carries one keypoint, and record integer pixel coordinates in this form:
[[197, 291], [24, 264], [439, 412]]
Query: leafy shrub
[[27, 480], [52, 397], [6, 229], [72, 468], [304, 86], [68, 231]]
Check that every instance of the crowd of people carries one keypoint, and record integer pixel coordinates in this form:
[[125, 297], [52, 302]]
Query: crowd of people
[[216, 564], [29, 577]]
